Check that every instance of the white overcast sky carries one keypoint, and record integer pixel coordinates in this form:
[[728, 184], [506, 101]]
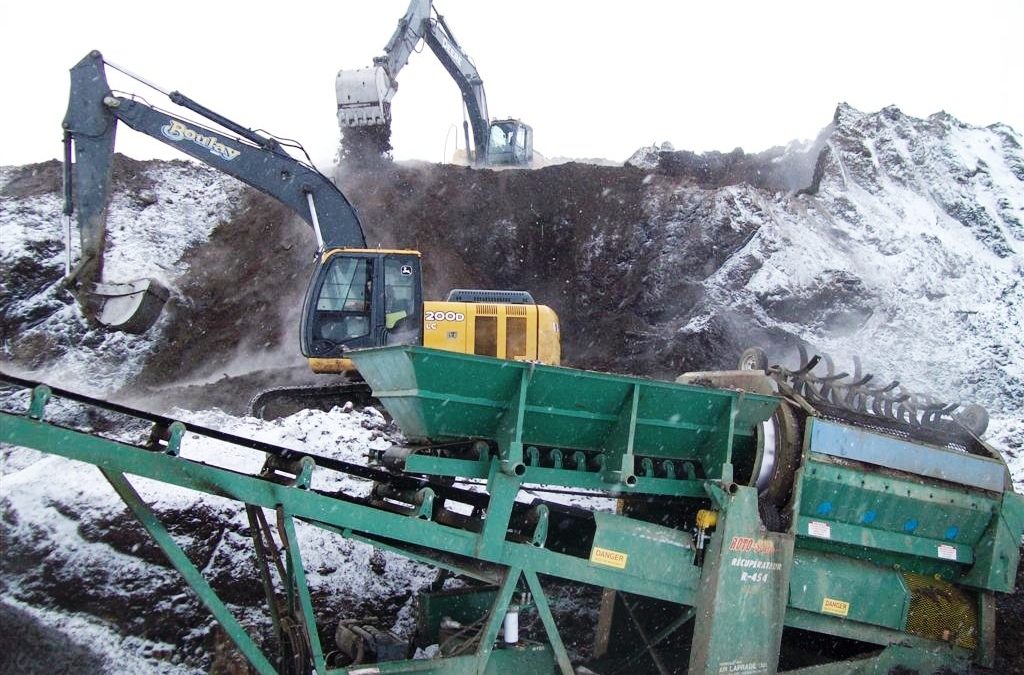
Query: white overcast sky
[[595, 79]]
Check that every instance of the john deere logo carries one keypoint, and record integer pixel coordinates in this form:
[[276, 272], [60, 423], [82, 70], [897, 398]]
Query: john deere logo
[[178, 131]]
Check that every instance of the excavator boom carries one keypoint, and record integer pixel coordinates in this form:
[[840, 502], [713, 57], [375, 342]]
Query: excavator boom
[[260, 161], [357, 297]]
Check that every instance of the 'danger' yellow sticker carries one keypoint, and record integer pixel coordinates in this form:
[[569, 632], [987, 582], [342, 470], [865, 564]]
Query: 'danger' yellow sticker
[[604, 556], [835, 607]]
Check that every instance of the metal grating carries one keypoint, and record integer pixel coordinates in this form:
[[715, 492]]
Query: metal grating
[[502, 297], [941, 611]]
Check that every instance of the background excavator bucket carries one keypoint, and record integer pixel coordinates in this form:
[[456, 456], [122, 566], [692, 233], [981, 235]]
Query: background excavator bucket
[[362, 97], [130, 307]]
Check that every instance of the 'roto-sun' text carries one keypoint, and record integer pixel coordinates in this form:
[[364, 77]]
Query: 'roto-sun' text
[[177, 131]]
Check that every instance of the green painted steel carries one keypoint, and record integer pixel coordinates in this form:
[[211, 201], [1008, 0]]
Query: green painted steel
[[895, 658], [895, 519], [465, 605], [188, 571], [438, 396], [998, 552], [641, 549], [744, 588], [857, 530], [852, 589], [323, 510], [298, 586], [521, 659], [544, 611]]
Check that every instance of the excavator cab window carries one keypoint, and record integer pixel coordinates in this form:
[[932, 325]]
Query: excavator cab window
[[343, 309], [502, 137], [363, 298], [511, 142]]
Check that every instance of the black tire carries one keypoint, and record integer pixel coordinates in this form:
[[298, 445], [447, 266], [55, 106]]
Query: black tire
[[788, 446], [770, 516], [753, 358]]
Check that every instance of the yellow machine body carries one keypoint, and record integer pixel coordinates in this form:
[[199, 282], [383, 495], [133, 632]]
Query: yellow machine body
[[361, 298], [506, 331]]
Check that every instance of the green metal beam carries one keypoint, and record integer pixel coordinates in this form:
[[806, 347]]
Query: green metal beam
[[297, 581], [541, 601], [312, 506], [188, 571], [839, 627], [496, 618]]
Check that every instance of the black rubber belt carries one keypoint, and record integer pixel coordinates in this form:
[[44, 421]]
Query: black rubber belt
[[359, 470]]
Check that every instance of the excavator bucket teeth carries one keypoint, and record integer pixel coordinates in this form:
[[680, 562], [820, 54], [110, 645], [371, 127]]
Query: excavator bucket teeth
[[132, 307], [362, 97]]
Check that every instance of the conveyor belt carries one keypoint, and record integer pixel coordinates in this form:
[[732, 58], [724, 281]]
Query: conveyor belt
[[287, 454]]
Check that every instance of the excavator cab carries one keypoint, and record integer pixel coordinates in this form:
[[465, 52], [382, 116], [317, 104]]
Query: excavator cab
[[360, 298], [509, 143]]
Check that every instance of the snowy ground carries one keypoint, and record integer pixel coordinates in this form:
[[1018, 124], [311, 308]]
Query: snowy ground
[[176, 206], [54, 511], [41, 509]]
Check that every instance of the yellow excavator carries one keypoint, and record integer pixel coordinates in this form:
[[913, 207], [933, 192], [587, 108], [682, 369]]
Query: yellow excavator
[[358, 297]]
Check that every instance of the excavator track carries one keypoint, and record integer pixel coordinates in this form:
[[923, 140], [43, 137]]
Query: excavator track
[[283, 401]]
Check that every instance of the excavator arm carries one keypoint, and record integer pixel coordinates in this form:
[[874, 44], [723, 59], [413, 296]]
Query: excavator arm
[[441, 41], [259, 161], [364, 95]]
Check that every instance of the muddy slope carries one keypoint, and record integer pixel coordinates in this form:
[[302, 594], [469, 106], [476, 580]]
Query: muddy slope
[[578, 237]]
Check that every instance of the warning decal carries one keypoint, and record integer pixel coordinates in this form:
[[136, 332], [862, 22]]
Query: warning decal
[[835, 607], [605, 556], [816, 528]]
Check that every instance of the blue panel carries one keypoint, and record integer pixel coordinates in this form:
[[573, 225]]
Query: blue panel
[[838, 440]]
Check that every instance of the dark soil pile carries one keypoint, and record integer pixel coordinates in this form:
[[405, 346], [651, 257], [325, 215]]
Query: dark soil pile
[[576, 236], [243, 301]]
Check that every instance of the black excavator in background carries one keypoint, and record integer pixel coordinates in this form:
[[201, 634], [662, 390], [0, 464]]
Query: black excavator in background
[[357, 297], [364, 96]]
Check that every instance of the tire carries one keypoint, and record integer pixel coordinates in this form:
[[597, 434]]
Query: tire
[[753, 358], [788, 447], [770, 516]]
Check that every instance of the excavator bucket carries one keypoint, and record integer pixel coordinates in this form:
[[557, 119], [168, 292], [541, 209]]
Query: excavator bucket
[[362, 97], [130, 307]]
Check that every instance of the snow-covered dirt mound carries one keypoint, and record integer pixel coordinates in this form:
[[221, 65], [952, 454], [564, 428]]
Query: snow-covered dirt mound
[[157, 212]]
